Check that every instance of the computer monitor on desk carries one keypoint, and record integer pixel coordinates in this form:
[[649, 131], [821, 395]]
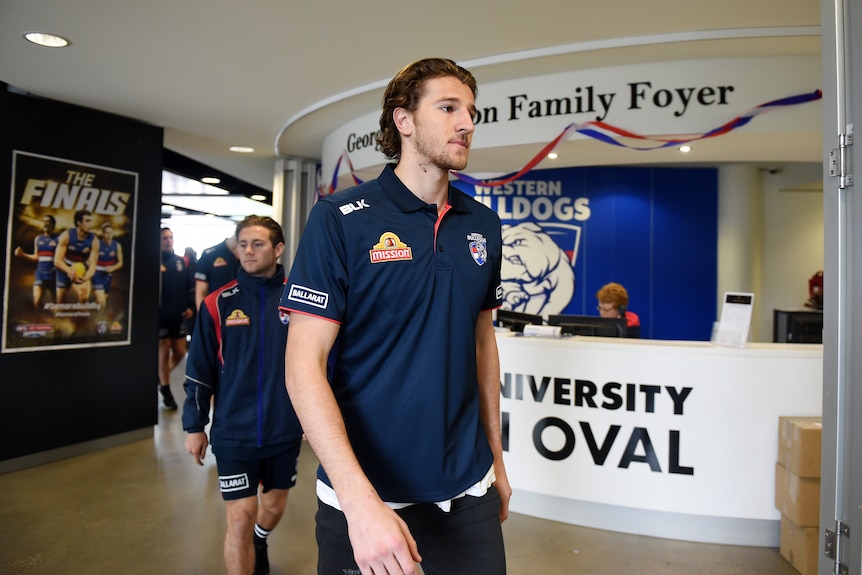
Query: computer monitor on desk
[[797, 326], [589, 325], [516, 321]]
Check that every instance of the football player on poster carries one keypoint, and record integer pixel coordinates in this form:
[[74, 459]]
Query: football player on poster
[[76, 257]]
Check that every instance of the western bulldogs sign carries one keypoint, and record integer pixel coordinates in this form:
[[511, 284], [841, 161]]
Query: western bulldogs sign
[[568, 231]]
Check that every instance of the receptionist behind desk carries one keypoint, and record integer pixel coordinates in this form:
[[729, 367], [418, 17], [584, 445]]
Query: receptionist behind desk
[[613, 301]]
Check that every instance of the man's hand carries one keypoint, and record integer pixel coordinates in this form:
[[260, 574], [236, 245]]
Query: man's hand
[[196, 444], [505, 491], [382, 543]]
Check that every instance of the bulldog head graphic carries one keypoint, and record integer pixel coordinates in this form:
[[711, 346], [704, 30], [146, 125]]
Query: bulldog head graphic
[[538, 277]]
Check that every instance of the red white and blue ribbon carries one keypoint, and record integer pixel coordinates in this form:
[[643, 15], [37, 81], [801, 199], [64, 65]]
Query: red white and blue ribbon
[[334, 182], [608, 133]]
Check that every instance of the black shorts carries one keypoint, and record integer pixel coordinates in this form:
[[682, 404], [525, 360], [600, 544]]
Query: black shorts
[[172, 329], [468, 540], [239, 479]]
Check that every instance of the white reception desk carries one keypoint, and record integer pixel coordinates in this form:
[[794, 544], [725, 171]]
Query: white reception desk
[[661, 438]]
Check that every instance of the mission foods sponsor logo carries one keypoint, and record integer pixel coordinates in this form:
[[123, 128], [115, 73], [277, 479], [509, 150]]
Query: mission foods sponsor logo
[[390, 248], [237, 317], [308, 296], [228, 483]]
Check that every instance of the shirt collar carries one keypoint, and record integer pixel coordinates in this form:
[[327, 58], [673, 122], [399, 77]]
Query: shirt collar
[[243, 278], [407, 201]]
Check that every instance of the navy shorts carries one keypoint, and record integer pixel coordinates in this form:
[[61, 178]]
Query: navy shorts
[[102, 282], [173, 329], [63, 280], [238, 479], [45, 278], [468, 540]]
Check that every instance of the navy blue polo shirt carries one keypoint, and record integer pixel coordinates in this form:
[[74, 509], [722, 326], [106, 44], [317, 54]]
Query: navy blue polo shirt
[[217, 266], [406, 288]]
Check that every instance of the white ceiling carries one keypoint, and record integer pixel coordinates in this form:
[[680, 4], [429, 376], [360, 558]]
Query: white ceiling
[[280, 75]]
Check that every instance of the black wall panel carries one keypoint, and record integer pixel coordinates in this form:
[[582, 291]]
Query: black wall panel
[[60, 397]]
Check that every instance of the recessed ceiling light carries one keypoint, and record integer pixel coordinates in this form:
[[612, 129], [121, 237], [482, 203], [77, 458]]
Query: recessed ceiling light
[[44, 39], [258, 197], [685, 149], [552, 155], [210, 180], [241, 149]]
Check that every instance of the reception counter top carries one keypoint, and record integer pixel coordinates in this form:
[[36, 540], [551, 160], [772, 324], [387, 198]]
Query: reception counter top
[[661, 438]]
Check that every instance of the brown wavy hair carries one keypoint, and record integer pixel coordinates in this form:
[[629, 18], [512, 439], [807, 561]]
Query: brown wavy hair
[[406, 89]]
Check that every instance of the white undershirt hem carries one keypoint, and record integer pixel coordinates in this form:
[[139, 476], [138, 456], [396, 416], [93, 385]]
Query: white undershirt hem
[[326, 494]]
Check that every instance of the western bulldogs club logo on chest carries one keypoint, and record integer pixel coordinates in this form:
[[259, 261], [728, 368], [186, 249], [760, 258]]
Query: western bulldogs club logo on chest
[[478, 247]]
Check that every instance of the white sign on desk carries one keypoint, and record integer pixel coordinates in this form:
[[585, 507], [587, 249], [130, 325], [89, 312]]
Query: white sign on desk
[[735, 319]]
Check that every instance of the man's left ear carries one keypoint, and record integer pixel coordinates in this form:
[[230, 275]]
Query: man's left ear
[[403, 121], [279, 249]]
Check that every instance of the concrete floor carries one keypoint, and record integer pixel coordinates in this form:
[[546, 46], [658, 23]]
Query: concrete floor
[[145, 508]]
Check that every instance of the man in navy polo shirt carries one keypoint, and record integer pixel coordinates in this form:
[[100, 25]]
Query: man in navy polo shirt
[[217, 266], [391, 356]]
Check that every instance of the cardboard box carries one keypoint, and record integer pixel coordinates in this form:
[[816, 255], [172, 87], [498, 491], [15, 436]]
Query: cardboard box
[[800, 546], [799, 445], [797, 497]]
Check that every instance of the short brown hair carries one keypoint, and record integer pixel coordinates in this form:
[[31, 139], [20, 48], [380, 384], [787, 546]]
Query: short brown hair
[[406, 89], [613, 293], [276, 235]]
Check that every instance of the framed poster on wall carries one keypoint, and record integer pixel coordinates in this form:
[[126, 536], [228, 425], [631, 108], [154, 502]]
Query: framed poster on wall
[[70, 244]]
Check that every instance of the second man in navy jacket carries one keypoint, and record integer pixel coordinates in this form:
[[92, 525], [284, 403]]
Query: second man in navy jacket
[[237, 360]]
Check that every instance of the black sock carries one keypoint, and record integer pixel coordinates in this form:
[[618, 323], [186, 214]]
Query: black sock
[[260, 532]]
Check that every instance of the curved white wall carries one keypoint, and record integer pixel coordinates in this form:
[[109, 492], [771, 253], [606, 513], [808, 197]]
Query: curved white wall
[[687, 97]]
